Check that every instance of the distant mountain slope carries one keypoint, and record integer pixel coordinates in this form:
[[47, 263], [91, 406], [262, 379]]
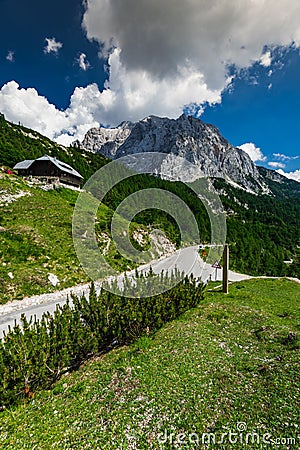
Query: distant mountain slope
[[106, 140], [263, 230], [188, 137], [280, 185]]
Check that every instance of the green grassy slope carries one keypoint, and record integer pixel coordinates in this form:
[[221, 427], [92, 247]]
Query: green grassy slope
[[233, 360], [36, 239]]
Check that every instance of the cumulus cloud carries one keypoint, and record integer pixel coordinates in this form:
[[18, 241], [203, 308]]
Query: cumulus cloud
[[161, 57], [254, 152], [10, 56], [292, 175], [156, 42], [134, 94], [276, 165], [266, 59], [34, 111], [83, 62], [52, 45]]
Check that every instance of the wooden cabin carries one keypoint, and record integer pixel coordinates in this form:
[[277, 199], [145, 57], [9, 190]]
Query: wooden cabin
[[49, 168]]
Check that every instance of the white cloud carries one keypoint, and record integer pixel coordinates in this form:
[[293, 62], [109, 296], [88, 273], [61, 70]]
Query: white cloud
[[83, 62], [266, 59], [134, 94], [254, 152], [52, 46], [283, 157], [161, 57], [10, 56], [153, 44], [34, 111], [276, 165], [292, 175]]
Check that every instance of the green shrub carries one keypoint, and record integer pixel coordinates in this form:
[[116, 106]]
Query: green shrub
[[35, 354]]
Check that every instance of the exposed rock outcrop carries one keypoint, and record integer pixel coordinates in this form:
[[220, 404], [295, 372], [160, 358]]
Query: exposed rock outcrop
[[197, 142]]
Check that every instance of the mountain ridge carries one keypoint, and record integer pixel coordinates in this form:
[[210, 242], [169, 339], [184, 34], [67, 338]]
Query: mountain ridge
[[262, 230], [188, 137]]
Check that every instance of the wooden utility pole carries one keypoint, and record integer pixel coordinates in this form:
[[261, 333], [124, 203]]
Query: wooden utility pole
[[225, 268]]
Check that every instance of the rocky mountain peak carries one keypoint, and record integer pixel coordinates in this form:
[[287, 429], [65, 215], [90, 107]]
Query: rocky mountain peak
[[188, 137], [106, 140]]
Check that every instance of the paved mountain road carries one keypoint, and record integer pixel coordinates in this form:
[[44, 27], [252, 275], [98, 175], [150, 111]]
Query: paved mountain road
[[186, 260]]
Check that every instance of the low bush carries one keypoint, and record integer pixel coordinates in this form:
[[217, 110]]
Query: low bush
[[35, 354]]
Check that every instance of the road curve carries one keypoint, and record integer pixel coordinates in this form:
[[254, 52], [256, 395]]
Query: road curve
[[186, 260]]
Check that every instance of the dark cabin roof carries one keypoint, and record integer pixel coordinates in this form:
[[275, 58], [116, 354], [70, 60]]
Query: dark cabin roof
[[64, 167]]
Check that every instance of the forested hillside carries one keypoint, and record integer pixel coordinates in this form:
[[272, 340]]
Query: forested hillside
[[18, 143], [263, 230]]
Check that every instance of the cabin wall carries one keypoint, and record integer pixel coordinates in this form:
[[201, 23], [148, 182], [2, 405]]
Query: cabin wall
[[48, 169], [42, 168]]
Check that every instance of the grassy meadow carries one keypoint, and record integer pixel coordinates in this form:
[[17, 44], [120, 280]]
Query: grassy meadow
[[230, 365], [36, 239]]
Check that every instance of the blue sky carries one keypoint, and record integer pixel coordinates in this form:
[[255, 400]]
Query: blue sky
[[263, 108], [24, 28], [67, 66]]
